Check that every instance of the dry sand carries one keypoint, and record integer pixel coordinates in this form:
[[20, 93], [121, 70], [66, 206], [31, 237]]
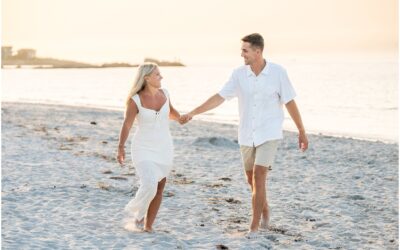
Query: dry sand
[[63, 189]]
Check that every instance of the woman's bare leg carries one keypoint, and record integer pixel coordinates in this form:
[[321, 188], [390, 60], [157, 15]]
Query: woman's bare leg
[[154, 206]]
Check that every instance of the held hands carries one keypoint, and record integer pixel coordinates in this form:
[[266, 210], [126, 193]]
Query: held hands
[[183, 119]]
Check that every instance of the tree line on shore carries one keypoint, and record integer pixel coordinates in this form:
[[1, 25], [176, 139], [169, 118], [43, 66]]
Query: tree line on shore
[[27, 57]]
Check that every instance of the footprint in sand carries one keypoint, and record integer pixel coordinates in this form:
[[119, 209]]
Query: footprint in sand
[[233, 201], [216, 141], [41, 129], [355, 197], [77, 138], [272, 238], [64, 147], [105, 157], [168, 194], [216, 185], [104, 186], [237, 221], [277, 229], [184, 180], [283, 231], [118, 178], [129, 174]]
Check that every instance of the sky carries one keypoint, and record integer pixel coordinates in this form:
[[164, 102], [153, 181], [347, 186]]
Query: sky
[[195, 32]]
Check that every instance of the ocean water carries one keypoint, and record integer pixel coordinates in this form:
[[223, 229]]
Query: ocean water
[[357, 99]]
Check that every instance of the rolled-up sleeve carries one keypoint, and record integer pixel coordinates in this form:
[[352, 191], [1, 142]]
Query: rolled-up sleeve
[[287, 92], [230, 89]]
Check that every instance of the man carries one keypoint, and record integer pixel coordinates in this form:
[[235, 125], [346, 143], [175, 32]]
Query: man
[[262, 89]]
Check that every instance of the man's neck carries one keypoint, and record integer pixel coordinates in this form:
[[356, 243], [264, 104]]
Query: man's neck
[[258, 66]]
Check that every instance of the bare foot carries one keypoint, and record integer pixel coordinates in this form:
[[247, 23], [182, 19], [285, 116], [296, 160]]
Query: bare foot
[[139, 223], [148, 230], [251, 235], [133, 225]]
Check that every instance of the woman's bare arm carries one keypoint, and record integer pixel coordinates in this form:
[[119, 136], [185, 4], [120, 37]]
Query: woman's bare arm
[[130, 114], [173, 113]]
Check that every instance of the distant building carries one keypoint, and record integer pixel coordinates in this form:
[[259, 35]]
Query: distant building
[[26, 54], [6, 52]]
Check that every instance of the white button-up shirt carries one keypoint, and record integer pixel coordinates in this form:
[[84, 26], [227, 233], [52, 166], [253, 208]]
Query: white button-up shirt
[[261, 100]]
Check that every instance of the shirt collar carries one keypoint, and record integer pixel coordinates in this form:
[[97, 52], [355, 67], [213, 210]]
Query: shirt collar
[[265, 70]]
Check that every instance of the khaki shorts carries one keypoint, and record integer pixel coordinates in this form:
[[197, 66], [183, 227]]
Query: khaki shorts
[[262, 155]]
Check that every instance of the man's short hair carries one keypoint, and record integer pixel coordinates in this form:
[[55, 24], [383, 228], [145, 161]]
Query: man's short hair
[[255, 40]]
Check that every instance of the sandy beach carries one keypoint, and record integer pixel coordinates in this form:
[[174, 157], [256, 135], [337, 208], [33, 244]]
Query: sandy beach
[[63, 189]]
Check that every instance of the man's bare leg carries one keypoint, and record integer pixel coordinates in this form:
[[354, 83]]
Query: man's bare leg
[[154, 206], [258, 195], [265, 212]]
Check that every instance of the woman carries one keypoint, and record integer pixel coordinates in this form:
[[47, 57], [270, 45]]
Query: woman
[[152, 148]]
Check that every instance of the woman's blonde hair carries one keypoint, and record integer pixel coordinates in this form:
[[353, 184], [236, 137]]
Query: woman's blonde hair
[[143, 70]]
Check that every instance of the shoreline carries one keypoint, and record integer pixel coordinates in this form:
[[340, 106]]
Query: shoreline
[[204, 119]]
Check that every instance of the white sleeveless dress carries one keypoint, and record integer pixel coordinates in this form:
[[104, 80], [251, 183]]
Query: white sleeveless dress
[[152, 154]]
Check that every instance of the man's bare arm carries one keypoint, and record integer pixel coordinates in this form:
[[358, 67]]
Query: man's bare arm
[[212, 102], [296, 117]]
